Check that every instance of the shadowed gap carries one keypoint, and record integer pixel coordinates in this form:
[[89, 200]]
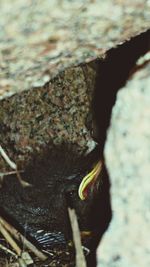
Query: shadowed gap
[[112, 74]]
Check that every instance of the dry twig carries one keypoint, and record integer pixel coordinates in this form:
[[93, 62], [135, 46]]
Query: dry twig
[[23, 239], [13, 165], [7, 250], [80, 259], [7, 159], [9, 239]]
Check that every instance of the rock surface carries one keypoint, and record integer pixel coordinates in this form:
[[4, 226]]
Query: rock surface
[[46, 95], [45, 92], [32, 122], [40, 38], [127, 153]]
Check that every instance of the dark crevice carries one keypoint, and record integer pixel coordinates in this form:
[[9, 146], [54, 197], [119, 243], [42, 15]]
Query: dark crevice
[[112, 74], [101, 215]]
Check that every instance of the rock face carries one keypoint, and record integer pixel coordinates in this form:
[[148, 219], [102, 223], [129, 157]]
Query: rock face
[[58, 113], [48, 66], [127, 153], [50, 36], [45, 93]]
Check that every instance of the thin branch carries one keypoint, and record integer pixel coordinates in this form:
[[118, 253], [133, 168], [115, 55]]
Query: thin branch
[[7, 159], [80, 259], [13, 165], [2, 174], [2, 247], [23, 239], [22, 182], [9, 239]]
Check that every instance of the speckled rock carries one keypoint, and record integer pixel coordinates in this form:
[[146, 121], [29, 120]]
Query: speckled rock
[[127, 153], [45, 92], [40, 38], [58, 113]]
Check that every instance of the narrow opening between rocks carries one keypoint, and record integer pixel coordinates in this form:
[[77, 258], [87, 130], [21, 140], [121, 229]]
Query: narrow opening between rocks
[[112, 74]]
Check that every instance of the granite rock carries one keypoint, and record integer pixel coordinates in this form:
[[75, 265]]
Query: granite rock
[[57, 114], [40, 38], [45, 93]]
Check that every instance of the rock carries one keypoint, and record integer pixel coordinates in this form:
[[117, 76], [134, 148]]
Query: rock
[[49, 57], [50, 36], [46, 94], [127, 154], [34, 121]]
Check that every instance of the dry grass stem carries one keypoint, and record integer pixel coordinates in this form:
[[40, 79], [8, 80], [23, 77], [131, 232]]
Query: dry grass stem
[[2, 174], [13, 165], [22, 182], [80, 259], [7, 250], [7, 159], [9, 239], [21, 238]]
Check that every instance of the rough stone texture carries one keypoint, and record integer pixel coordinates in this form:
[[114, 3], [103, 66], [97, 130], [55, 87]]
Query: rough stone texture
[[127, 153], [40, 38], [45, 93], [56, 114]]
